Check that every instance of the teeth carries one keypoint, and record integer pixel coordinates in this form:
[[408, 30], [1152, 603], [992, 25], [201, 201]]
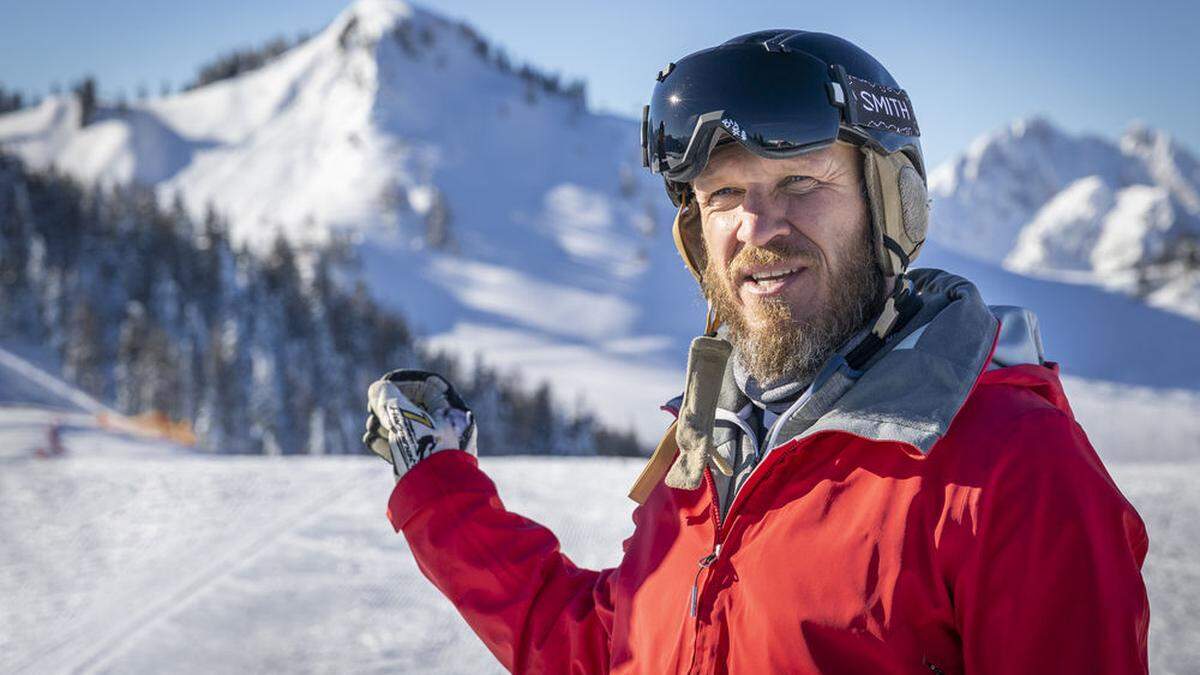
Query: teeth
[[773, 275]]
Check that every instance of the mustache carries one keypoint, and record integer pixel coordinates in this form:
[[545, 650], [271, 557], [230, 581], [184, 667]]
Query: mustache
[[775, 251]]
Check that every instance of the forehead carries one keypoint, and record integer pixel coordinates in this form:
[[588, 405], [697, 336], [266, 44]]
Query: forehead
[[731, 160]]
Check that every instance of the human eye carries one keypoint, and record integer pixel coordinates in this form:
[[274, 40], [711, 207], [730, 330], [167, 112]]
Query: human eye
[[721, 196], [799, 182]]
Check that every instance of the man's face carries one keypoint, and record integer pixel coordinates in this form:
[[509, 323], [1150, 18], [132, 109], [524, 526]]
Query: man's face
[[788, 261]]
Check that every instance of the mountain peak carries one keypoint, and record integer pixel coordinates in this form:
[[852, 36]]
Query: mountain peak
[[368, 20], [1034, 126], [1142, 140], [1139, 134], [985, 197], [1170, 164]]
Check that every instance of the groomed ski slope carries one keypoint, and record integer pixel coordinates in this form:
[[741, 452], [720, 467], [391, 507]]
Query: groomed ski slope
[[133, 556]]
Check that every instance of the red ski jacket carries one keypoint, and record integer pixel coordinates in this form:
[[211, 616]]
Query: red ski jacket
[[1003, 548]]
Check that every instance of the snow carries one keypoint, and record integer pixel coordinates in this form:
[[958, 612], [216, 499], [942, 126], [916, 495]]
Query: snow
[[24, 382], [1167, 162], [492, 288], [560, 265], [40, 133], [131, 557], [1063, 233], [559, 261], [1136, 229], [1128, 423], [1045, 203], [356, 134], [1090, 227], [1093, 333], [622, 384], [582, 222], [984, 197]]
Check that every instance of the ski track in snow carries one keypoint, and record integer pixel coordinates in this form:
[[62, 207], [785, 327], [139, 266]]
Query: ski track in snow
[[236, 553], [120, 559]]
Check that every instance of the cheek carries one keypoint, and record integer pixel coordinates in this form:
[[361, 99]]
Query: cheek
[[834, 223], [719, 241]]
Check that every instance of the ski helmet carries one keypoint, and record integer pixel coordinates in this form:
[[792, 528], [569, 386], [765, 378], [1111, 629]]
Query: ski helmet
[[780, 93]]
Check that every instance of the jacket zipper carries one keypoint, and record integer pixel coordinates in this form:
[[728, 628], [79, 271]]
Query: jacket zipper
[[752, 480], [708, 560], [705, 563], [715, 508], [768, 449], [719, 535]]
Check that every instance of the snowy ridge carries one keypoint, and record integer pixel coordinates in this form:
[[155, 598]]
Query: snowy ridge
[[472, 194], [507, 221], [1125, 215]]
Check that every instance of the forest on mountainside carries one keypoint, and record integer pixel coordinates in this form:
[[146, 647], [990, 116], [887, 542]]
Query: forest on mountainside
[[151, 311]]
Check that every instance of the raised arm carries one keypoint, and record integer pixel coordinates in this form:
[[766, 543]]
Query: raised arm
[[533, 608]]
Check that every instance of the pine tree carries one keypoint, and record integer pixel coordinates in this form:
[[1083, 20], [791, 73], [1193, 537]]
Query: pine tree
[[85, 356], [85, 93], [261, 353], [437, 223]]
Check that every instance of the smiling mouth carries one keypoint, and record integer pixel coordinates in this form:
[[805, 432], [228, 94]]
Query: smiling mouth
[[771, 281]]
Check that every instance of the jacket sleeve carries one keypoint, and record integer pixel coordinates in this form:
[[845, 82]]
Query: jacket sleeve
[[1055, 584], [533, 608]]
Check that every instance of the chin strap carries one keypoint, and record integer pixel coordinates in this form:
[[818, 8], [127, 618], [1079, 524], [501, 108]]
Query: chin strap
[[711, 321], [901, 305]]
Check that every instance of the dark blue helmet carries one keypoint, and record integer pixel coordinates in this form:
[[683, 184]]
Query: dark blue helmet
[[779, 93]]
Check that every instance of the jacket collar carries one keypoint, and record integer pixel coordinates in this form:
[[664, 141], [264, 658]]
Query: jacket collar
[[913, 388]]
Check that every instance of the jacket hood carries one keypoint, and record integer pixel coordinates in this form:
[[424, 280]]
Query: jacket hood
[[911, 390]]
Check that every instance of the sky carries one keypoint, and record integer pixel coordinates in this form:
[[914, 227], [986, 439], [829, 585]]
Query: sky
[[968, 67]]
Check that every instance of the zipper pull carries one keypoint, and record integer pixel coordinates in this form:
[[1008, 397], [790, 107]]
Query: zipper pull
[[705, 563]]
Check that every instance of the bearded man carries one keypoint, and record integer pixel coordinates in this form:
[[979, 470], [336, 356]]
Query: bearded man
[[871, 470]]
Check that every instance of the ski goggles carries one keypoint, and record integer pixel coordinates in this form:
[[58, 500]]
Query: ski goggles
[[775, 103]]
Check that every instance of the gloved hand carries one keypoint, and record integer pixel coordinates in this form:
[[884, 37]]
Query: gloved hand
[[413, 414]]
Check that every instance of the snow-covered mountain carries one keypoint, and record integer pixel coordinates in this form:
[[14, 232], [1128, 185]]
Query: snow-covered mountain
[[498, 214], [503, 218], [1122, 214]]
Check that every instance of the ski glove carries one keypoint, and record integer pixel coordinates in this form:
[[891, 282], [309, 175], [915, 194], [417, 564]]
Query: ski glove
[[413, 414]]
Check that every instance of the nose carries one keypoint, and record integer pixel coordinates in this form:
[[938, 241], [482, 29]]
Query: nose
[[761, 219]]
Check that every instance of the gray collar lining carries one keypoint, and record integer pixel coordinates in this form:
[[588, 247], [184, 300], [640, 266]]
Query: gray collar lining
[[907, 395]]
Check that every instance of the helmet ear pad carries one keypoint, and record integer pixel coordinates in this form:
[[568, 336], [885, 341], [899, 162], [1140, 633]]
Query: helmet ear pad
[[899, 205]]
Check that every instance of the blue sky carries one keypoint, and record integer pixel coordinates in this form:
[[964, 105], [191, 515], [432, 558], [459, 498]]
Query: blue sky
[[969, 68]]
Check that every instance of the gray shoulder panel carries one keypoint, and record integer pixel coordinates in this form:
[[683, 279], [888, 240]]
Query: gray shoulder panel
[[911, 395]]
